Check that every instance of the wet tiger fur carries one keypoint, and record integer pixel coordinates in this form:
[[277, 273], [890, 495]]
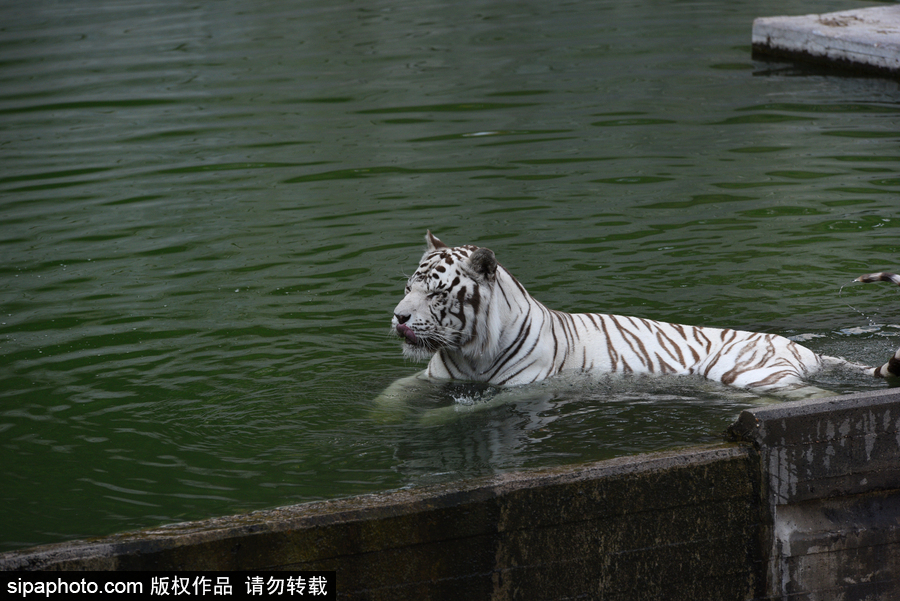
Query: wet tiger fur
[[478, 323]]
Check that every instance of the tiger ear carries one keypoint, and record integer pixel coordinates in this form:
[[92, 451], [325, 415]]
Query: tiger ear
[[484, 263], [433, 242]]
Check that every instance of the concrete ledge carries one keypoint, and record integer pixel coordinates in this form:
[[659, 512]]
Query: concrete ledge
[[864, 39], [675, 526], [831, 479], [827, 447], [805, 506]]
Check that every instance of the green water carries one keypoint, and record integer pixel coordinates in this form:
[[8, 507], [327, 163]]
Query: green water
[[207, 211]]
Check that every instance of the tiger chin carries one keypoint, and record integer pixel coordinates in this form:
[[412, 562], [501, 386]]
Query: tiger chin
[[477, 323]]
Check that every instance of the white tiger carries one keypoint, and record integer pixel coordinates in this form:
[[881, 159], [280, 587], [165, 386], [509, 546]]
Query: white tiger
[[478, 323]]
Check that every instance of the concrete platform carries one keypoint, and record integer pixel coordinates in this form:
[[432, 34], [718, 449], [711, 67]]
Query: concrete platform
[[865, 39]]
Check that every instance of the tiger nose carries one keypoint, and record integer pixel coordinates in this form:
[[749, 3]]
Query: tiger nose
[[402, 318]]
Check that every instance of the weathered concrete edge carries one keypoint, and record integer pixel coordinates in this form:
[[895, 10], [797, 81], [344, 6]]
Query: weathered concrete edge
[[833, 446], [749, 425], [831, 481], [104, 553], [824, 39], [815, 449]]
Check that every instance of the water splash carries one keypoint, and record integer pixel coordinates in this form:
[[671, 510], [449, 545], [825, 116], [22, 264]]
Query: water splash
[[863, 314]]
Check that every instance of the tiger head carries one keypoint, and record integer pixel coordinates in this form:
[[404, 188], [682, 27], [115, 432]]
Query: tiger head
[[447, 302]]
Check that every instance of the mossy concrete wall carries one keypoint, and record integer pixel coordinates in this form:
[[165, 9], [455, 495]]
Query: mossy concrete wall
[[805, 506], [666, 526]]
